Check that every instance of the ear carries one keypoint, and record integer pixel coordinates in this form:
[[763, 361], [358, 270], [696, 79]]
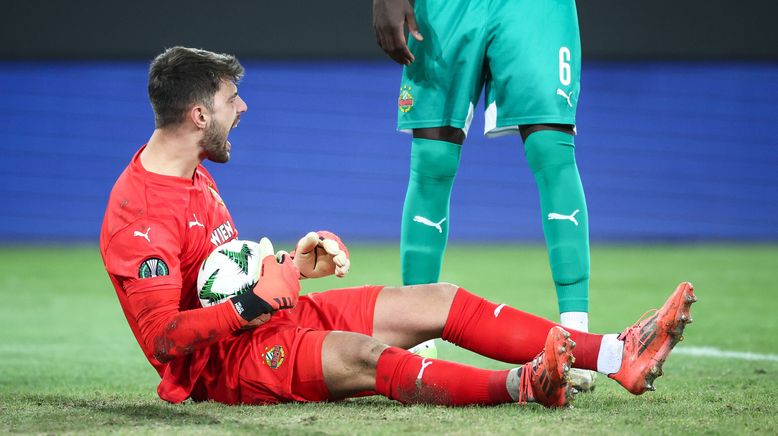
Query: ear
[[199, 116]]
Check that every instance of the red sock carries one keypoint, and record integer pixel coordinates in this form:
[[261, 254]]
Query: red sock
[[507, 334], [409, 378]]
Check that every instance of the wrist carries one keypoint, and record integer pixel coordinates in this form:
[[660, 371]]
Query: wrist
[[249, 306]]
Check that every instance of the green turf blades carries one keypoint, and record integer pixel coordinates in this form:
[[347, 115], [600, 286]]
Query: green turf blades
[[88, 374]]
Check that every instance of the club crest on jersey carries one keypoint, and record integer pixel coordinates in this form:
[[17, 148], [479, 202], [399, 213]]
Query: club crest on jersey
[[405, 101], [153, 267], [274, 356]]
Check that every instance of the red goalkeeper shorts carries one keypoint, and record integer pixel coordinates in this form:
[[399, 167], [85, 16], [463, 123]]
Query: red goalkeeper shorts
[[280, 361]]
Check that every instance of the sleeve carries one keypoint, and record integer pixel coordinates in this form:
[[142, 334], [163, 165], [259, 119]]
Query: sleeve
[[145, 258]]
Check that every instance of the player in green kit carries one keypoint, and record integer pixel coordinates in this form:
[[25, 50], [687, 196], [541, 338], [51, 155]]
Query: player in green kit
[[526, 53]]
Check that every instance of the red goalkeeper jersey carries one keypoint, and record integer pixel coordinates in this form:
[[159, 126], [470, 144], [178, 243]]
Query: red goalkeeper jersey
[[156, 232]]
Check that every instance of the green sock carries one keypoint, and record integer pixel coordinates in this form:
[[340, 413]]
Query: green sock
[[424, 229], [551, 156]]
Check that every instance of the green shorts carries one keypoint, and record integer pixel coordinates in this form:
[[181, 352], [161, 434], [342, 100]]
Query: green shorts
[[526, 52]]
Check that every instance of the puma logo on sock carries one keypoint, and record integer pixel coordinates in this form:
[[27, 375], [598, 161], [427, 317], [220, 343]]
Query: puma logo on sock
[[559, 216], [426, 222], [424, 365]]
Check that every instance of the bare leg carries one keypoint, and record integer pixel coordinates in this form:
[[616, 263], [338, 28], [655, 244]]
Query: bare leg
[[403, 317], [410, 315], [353, 363], [349, 362]]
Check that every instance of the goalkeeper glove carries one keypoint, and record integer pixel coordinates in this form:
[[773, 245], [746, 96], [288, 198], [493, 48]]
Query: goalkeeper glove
[[320, 254], [278, 286]]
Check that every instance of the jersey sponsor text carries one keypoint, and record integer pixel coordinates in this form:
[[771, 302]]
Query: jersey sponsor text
[[222, 234]]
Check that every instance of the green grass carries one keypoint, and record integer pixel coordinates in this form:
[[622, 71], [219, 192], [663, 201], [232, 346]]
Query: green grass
[[68, 362]]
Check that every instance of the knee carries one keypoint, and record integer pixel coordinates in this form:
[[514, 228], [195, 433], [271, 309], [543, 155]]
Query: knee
[[362, 355], [349, 362], [549, 148], [445, 289], [435, 159], [443, 293]]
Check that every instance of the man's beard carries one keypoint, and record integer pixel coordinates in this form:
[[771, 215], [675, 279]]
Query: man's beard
[[214, 142]]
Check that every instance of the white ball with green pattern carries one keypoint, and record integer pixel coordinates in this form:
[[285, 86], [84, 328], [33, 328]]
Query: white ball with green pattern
[[231, 269]]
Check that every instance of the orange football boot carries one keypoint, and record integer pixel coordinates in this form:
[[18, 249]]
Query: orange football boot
[[544, 380], [648, 342]]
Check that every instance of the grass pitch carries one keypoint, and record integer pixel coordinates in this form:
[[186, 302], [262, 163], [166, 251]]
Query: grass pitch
[[69, 363]]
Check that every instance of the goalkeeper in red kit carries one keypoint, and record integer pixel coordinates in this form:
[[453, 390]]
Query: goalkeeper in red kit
[[165, 215]]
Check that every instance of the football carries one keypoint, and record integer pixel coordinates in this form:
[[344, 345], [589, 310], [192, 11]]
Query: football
[[231, 269]]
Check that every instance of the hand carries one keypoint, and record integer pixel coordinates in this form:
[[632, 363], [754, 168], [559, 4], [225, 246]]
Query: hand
[[389, 19], [278, 284], [320, 254]]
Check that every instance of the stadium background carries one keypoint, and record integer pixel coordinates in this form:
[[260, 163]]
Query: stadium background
[[675, 121], [676, 145]]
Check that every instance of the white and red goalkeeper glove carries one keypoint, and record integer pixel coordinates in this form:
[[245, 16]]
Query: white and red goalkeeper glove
[[278, 286], [319, 254]]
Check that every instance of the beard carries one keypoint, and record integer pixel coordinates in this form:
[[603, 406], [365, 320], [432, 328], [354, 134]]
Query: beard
[[214, 142]]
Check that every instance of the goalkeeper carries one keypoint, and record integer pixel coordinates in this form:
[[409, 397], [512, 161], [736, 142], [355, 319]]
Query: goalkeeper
[[165, 215]]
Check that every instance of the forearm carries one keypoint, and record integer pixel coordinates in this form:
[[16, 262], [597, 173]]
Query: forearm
[[169, 332], [191, 330]]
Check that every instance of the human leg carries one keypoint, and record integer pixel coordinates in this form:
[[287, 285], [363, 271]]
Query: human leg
[[533, 90], [351, 360], [285, 361], [354, 363], [551, 157], [438, 94], [411, 314], [424, 229], [435, 154], [550, 152], [633, 358]]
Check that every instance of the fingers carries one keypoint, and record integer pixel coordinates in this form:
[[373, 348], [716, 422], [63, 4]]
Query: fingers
[[342, 265], [339, 256], [413, 28], [271, 260], [320, 254], [333, 245], [307, 243], [324, 234], [291, 275], [391, 38], [399, 50], [281, 256], [330, 246], [265, 248]]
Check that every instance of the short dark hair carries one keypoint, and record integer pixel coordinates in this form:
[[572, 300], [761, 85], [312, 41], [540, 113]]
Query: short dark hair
[[182, 77]]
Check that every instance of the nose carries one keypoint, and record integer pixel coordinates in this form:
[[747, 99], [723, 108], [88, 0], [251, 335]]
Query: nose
[[242, 106]]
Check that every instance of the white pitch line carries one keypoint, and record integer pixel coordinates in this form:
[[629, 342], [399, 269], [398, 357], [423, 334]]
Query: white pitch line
[[715, 352]]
